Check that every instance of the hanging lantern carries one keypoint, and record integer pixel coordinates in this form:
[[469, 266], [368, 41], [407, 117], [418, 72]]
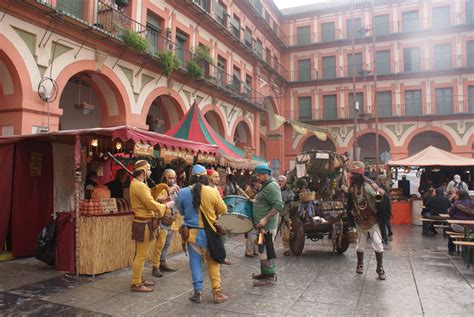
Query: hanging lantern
[[94, 142], [118, 146]]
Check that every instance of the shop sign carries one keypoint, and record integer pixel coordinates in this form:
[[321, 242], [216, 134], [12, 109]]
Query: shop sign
[[322, 156], [36, 162], [142, 149], [109, 205], [170, 154], [207, 158]]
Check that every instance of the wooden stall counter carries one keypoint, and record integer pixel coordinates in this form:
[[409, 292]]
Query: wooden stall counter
[[402, 212]]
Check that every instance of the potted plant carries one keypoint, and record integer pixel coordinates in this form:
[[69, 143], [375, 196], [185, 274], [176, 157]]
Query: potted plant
[[202, 52], [194, 70], [121, 3], [135, 41], [168, 61]]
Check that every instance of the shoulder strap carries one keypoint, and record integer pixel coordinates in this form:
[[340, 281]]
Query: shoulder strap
[[258, 191]]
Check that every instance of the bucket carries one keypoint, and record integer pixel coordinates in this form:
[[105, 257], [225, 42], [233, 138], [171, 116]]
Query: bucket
[[416, 207]]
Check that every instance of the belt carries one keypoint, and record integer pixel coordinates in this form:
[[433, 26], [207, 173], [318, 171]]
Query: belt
[[142, 219]]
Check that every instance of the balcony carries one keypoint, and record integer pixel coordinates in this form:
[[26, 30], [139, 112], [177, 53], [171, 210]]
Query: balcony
[[383, 31], [443, 64]]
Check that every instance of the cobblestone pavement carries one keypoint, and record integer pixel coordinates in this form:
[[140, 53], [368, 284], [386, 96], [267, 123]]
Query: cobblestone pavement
[[421, 280]]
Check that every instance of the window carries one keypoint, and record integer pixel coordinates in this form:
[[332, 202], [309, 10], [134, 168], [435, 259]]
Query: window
[[235, 26], [268, 56], [444, 101], [304, 35], [410, 21], [470, 54], [470, 12], [384, 104], [411, 59], [358, 64], [73, 7], [328, 32], [259, 48], [355, 27], [329, 67], [248, 37], [235, 86], [221, 71], [247, 86], [382, 59], [351, 105], [330, 107], [276, 64], [304, 108], [181, 39], [304, 70], [203, 4], [442, 56], [440, 17], [257, 5], [381, 24], [413, 103], [471, 99], [153, 31], [221, 13]]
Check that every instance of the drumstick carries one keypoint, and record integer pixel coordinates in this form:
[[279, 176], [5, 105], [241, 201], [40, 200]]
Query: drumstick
[[242, 191]]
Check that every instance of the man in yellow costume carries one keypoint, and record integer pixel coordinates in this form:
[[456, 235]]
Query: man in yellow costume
[[168, 224], [145, 209]]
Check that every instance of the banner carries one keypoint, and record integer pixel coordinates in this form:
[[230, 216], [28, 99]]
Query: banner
[[299, 130], [322, 136], [279, 120]]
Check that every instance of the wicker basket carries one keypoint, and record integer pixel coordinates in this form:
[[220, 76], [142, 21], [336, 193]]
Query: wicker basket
[[307, 196], [352, 237]]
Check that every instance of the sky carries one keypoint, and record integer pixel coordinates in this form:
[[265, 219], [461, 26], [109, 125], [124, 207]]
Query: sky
[[282, 4]]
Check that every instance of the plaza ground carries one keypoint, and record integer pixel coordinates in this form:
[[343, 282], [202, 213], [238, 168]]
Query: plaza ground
[[422, 280]]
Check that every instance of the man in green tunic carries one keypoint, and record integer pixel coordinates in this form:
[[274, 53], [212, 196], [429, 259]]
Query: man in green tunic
[[268, 204]]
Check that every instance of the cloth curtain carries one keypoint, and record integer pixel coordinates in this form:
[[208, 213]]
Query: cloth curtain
[[32, 203], [6, 181], [63, 177], [65, 242]]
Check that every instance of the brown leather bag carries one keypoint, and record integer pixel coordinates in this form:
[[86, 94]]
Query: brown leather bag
[[184, 232], [168, 219]]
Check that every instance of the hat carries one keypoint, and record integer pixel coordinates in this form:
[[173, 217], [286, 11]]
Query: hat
[[263, 169], [253, 178], [198, 170], [357, 167], [211, 172], [282, 178], [141, 165]]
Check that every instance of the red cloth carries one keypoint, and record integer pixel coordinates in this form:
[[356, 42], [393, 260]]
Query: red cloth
[[33, 189], [65, 242], [402, 212], [6, 182]]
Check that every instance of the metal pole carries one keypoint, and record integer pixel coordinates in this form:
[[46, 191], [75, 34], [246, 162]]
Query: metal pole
[[376, 110], [356, 111]]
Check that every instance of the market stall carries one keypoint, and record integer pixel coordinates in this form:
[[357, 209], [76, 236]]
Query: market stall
[[436, 168], [93, 236]]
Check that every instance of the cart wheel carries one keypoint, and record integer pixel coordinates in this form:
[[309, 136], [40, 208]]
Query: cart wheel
[[298, 237], [344, 244]]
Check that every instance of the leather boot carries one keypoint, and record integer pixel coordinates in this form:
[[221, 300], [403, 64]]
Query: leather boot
[[219, 297], [380, 271], [165, 268], [156, 272], [360, 263], [196, 297]]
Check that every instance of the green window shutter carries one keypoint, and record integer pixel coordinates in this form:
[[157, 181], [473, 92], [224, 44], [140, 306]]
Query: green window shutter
[[411, 59], [304, 108], [381, 24], [471, 99], [358, 64], [304, 70], [382, 59], [329, 67], [413, 103], [384, 104], [304, 35], [72, 7], [470, 54], [444, 101], [410, 21], [470, 12], [351, 105], [440, 17], [330, 107], [328, 32], [355, 27], [442, 56]]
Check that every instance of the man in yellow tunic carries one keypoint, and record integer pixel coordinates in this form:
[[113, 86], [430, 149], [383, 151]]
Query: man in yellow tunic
[[145, 209], [165, 234]]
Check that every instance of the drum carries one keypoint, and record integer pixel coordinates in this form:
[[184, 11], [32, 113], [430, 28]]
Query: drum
[[239, 215]]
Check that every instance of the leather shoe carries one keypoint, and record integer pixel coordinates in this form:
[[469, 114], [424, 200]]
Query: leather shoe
[[140, 288], [148, 283], [227, 262], [156, 272], [166, 268]]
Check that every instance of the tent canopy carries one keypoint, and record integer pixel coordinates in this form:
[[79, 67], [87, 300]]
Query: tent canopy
[[432, 156], [193, 126]]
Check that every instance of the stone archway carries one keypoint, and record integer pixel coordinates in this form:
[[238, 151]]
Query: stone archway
[[215, 122], [313, 143], [242, 135], [164, 113], [367, 146], [267, 120], [424, 139]]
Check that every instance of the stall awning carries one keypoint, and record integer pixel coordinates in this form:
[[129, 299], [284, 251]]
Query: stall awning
[[124, 133], [193, 126], [432, 156]]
